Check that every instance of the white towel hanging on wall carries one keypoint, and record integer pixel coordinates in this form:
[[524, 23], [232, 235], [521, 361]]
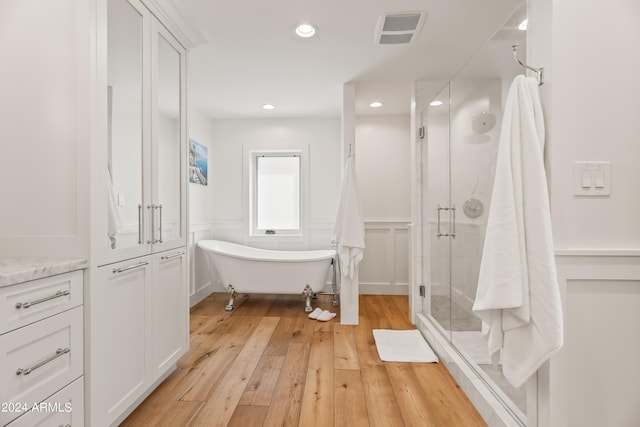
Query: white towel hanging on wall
[[518, 298], [349, 224]]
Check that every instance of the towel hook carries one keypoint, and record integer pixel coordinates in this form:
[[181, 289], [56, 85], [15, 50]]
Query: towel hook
[[539, 71]]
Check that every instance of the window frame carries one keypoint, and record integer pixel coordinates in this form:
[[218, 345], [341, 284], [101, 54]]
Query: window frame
[[254, 230]]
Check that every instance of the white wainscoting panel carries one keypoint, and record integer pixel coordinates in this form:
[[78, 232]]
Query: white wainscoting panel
[[202, 278], [385, 266], [591, 381]]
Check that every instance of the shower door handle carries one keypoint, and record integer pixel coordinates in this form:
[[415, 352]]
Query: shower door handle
[[439, 233], [453, 221]]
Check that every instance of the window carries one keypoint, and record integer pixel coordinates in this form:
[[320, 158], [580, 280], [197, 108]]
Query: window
[[276, 197]]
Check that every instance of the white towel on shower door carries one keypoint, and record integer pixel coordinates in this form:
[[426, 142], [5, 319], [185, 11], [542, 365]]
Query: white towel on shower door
[[349, 225], [518, 297]]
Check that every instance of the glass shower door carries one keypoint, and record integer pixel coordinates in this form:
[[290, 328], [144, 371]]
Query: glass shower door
[[436, 169], [460, 150], [458, 162]]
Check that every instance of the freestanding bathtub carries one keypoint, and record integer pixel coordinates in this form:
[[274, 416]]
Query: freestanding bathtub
[[253, 270]]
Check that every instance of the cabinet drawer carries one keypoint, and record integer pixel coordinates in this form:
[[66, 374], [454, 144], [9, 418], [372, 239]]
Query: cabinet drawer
[[65, 408], [40, 359], [29, 302]]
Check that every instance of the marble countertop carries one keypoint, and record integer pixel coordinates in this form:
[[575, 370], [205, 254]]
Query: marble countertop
[[18, 270]]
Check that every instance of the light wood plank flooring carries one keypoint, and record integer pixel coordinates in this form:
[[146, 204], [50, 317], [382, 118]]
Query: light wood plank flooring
[[267, 364]]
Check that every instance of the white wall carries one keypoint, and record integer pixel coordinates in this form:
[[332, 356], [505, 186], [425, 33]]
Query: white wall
[[383, 173], [382, 164], [590, 53], [200, 196], [595, 87], [228, 166], [200, 200]]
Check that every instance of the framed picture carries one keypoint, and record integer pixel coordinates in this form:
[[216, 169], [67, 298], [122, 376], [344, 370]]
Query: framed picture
[[198, 162]]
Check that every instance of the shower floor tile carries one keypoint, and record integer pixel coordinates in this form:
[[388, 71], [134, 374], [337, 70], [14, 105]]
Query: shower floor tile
[[460, 319]]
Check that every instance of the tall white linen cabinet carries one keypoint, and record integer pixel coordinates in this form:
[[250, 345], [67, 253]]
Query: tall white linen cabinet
[[137, 302], [94, 167]]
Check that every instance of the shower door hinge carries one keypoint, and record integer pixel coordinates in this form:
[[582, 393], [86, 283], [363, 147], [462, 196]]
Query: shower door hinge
[[423, 291], [421, 132]]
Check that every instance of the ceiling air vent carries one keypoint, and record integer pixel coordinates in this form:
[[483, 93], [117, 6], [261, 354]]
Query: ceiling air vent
[[398, 28]]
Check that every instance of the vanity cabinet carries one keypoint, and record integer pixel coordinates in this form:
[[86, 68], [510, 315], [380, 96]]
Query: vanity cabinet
[[41, 351]]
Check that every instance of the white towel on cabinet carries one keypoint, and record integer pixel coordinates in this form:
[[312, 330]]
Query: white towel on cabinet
[[518, 298]]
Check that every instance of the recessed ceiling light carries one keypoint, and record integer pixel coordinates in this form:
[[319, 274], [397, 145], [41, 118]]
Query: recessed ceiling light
[[305, 30], [375, 104], [268, 106], [435, 103], [523, 25]]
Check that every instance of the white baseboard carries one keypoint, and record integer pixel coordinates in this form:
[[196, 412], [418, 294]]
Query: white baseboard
[[201, 294], [383, 289]]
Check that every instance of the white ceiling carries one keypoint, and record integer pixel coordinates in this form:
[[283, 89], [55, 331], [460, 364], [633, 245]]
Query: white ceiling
[[252, 57]]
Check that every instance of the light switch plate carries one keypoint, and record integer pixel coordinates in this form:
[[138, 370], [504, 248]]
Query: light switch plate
[[591, 179]]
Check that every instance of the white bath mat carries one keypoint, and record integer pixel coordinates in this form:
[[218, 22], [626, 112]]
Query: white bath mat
[[403, 346]]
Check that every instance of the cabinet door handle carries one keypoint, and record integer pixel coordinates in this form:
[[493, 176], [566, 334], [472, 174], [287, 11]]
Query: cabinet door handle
[[160, 224], [153, 231], [139, 224], [58, 294], [130, 267], [172, 256], [59, 352]]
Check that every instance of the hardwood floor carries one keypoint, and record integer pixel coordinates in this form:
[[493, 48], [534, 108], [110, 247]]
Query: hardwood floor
[[267, 364]]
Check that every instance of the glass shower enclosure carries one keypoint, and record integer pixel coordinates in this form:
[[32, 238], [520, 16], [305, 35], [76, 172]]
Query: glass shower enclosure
[[458, 153]]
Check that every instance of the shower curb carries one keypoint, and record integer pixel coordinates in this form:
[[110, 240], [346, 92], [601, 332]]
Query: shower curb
[[490, 407]]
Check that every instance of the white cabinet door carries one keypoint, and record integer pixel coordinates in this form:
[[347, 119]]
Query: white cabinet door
[[143, 209], [124, 206], [170, 310], [168, 140], [120, 350]]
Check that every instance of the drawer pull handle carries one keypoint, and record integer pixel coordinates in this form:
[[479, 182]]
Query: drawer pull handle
[[64, 425], [120, 270], [172, 256], [59, 352], [29, 304]]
